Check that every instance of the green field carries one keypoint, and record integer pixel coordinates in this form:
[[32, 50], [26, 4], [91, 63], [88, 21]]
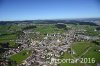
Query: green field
[[68, 56], [19, 57], [48, 29], [93, 53], [8, 38], [80, 47], [8, 34]]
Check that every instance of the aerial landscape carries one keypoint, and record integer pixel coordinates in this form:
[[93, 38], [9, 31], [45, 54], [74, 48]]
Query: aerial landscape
[[49, 33]]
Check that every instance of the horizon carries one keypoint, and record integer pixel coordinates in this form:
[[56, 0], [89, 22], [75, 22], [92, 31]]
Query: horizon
[[14, 10], [53, 19]]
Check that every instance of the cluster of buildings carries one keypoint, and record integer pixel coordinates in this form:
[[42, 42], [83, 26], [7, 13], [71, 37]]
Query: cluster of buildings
[[51, 46]]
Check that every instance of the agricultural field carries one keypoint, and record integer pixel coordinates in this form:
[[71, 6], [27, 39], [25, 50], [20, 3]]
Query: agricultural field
[[80, 49], [50, 29], [19, 57], [7, 36], [68, 56], [93, 53]]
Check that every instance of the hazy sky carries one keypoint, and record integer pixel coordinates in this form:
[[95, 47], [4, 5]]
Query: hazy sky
[[48, 9]]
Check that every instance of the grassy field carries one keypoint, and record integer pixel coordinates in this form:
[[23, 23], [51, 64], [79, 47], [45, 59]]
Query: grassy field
[[48, 29], [4, 27], [93, 53], [8, 38], [80, 47], [19, 57], [68, 56], [91, 31], [8, 34], [11, 42]]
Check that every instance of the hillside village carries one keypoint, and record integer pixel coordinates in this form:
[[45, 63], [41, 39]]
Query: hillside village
[[43, 46]]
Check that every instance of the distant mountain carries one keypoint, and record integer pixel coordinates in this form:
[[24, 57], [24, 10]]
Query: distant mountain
[[97, 22], [90, 19], [85, 21], [94, 20]]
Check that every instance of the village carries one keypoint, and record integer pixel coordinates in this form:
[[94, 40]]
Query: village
[[51, 46]]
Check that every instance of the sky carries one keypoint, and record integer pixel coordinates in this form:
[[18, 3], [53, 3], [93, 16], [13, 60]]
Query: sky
[[48, 9]]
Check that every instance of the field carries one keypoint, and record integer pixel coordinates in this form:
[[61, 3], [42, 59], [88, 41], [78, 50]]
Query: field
[[10, 38], [50, 29], [93, 53], [8, 33], [80, 47], [68, 56], [19, 57]]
